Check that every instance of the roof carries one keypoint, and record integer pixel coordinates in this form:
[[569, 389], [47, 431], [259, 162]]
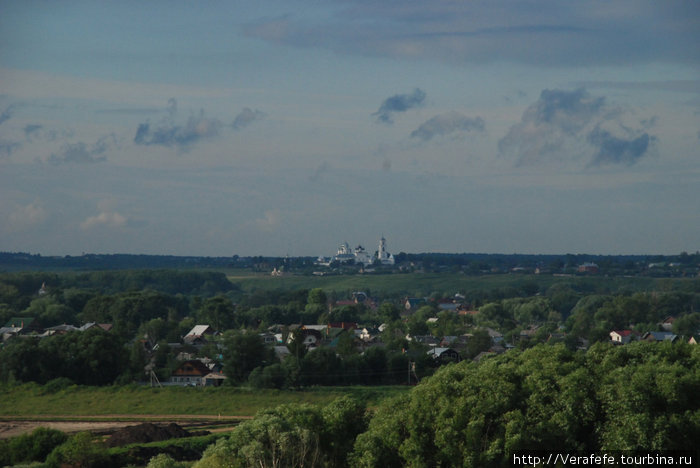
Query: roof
[[215, 376], [199, 330], [61, 328], [623, 332], [193, 367], [467, 312], [89, 325], [343, 325], [660, 336], [19, 322], [440, 351], [414, 301]]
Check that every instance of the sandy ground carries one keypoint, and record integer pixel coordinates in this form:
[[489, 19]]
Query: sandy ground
[[15, 428], [107, 424]]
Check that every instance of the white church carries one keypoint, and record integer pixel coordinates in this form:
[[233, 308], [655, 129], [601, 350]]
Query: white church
[[359, 255]]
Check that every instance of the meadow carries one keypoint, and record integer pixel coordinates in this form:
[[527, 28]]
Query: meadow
[[425, 284], [32, 400]]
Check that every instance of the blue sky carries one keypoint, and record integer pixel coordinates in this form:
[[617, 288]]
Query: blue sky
[[275, 128]]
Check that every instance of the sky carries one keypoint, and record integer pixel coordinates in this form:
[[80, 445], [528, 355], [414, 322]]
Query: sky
[[288, 127]]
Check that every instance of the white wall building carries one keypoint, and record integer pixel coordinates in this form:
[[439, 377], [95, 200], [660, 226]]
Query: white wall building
[[359, 255]]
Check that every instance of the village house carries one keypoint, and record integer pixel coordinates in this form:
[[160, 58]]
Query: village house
[[22, 325], [190, 372], [667, 324], [312, 335], [588, 267], [269, 339], [444, 355], [58, 330], [623, 336]]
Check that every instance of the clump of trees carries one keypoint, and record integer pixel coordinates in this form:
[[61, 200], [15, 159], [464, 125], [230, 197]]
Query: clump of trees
[[93, 357], [636, 397], [640, 397], [33, 447], [292, 435]]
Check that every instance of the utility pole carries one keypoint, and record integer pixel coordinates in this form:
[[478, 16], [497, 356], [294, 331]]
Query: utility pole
[[412, 369]]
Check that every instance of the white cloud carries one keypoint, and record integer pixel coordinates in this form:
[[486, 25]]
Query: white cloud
[[28, 216], [269, 222], [110, 219]]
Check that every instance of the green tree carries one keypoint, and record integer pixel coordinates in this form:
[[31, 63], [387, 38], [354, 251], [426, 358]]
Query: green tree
[[388, 312], [343, 420], [417, 323], [346, 344], [243, 352], [316, 305], [272, 376], [218, 312], [164, 460], [287, 436], [687, 325], [478, 342], [33, 447], [79, 450]]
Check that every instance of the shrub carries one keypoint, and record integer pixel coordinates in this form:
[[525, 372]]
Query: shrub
[[32, 447]]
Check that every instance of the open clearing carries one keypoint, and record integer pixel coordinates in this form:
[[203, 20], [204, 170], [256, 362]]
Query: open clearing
[[106, 424]]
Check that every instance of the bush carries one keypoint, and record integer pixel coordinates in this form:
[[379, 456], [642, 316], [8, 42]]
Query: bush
[[32, 447], [79, 450], [56, 385], [272, 376], [165, 461]]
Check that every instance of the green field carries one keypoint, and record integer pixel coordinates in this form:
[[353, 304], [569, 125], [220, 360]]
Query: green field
[[31, 400], [423, 284]]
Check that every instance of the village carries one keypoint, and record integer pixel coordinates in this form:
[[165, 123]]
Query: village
[[445, 330]]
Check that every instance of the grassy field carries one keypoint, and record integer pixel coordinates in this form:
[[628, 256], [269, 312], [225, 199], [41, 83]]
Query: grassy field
[[31, 400], [423, 284]]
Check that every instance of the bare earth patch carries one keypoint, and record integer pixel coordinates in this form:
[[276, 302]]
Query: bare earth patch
[[107, 424]]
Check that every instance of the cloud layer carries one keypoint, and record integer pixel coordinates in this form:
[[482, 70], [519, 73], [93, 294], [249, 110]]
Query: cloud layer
[[548, 32]]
